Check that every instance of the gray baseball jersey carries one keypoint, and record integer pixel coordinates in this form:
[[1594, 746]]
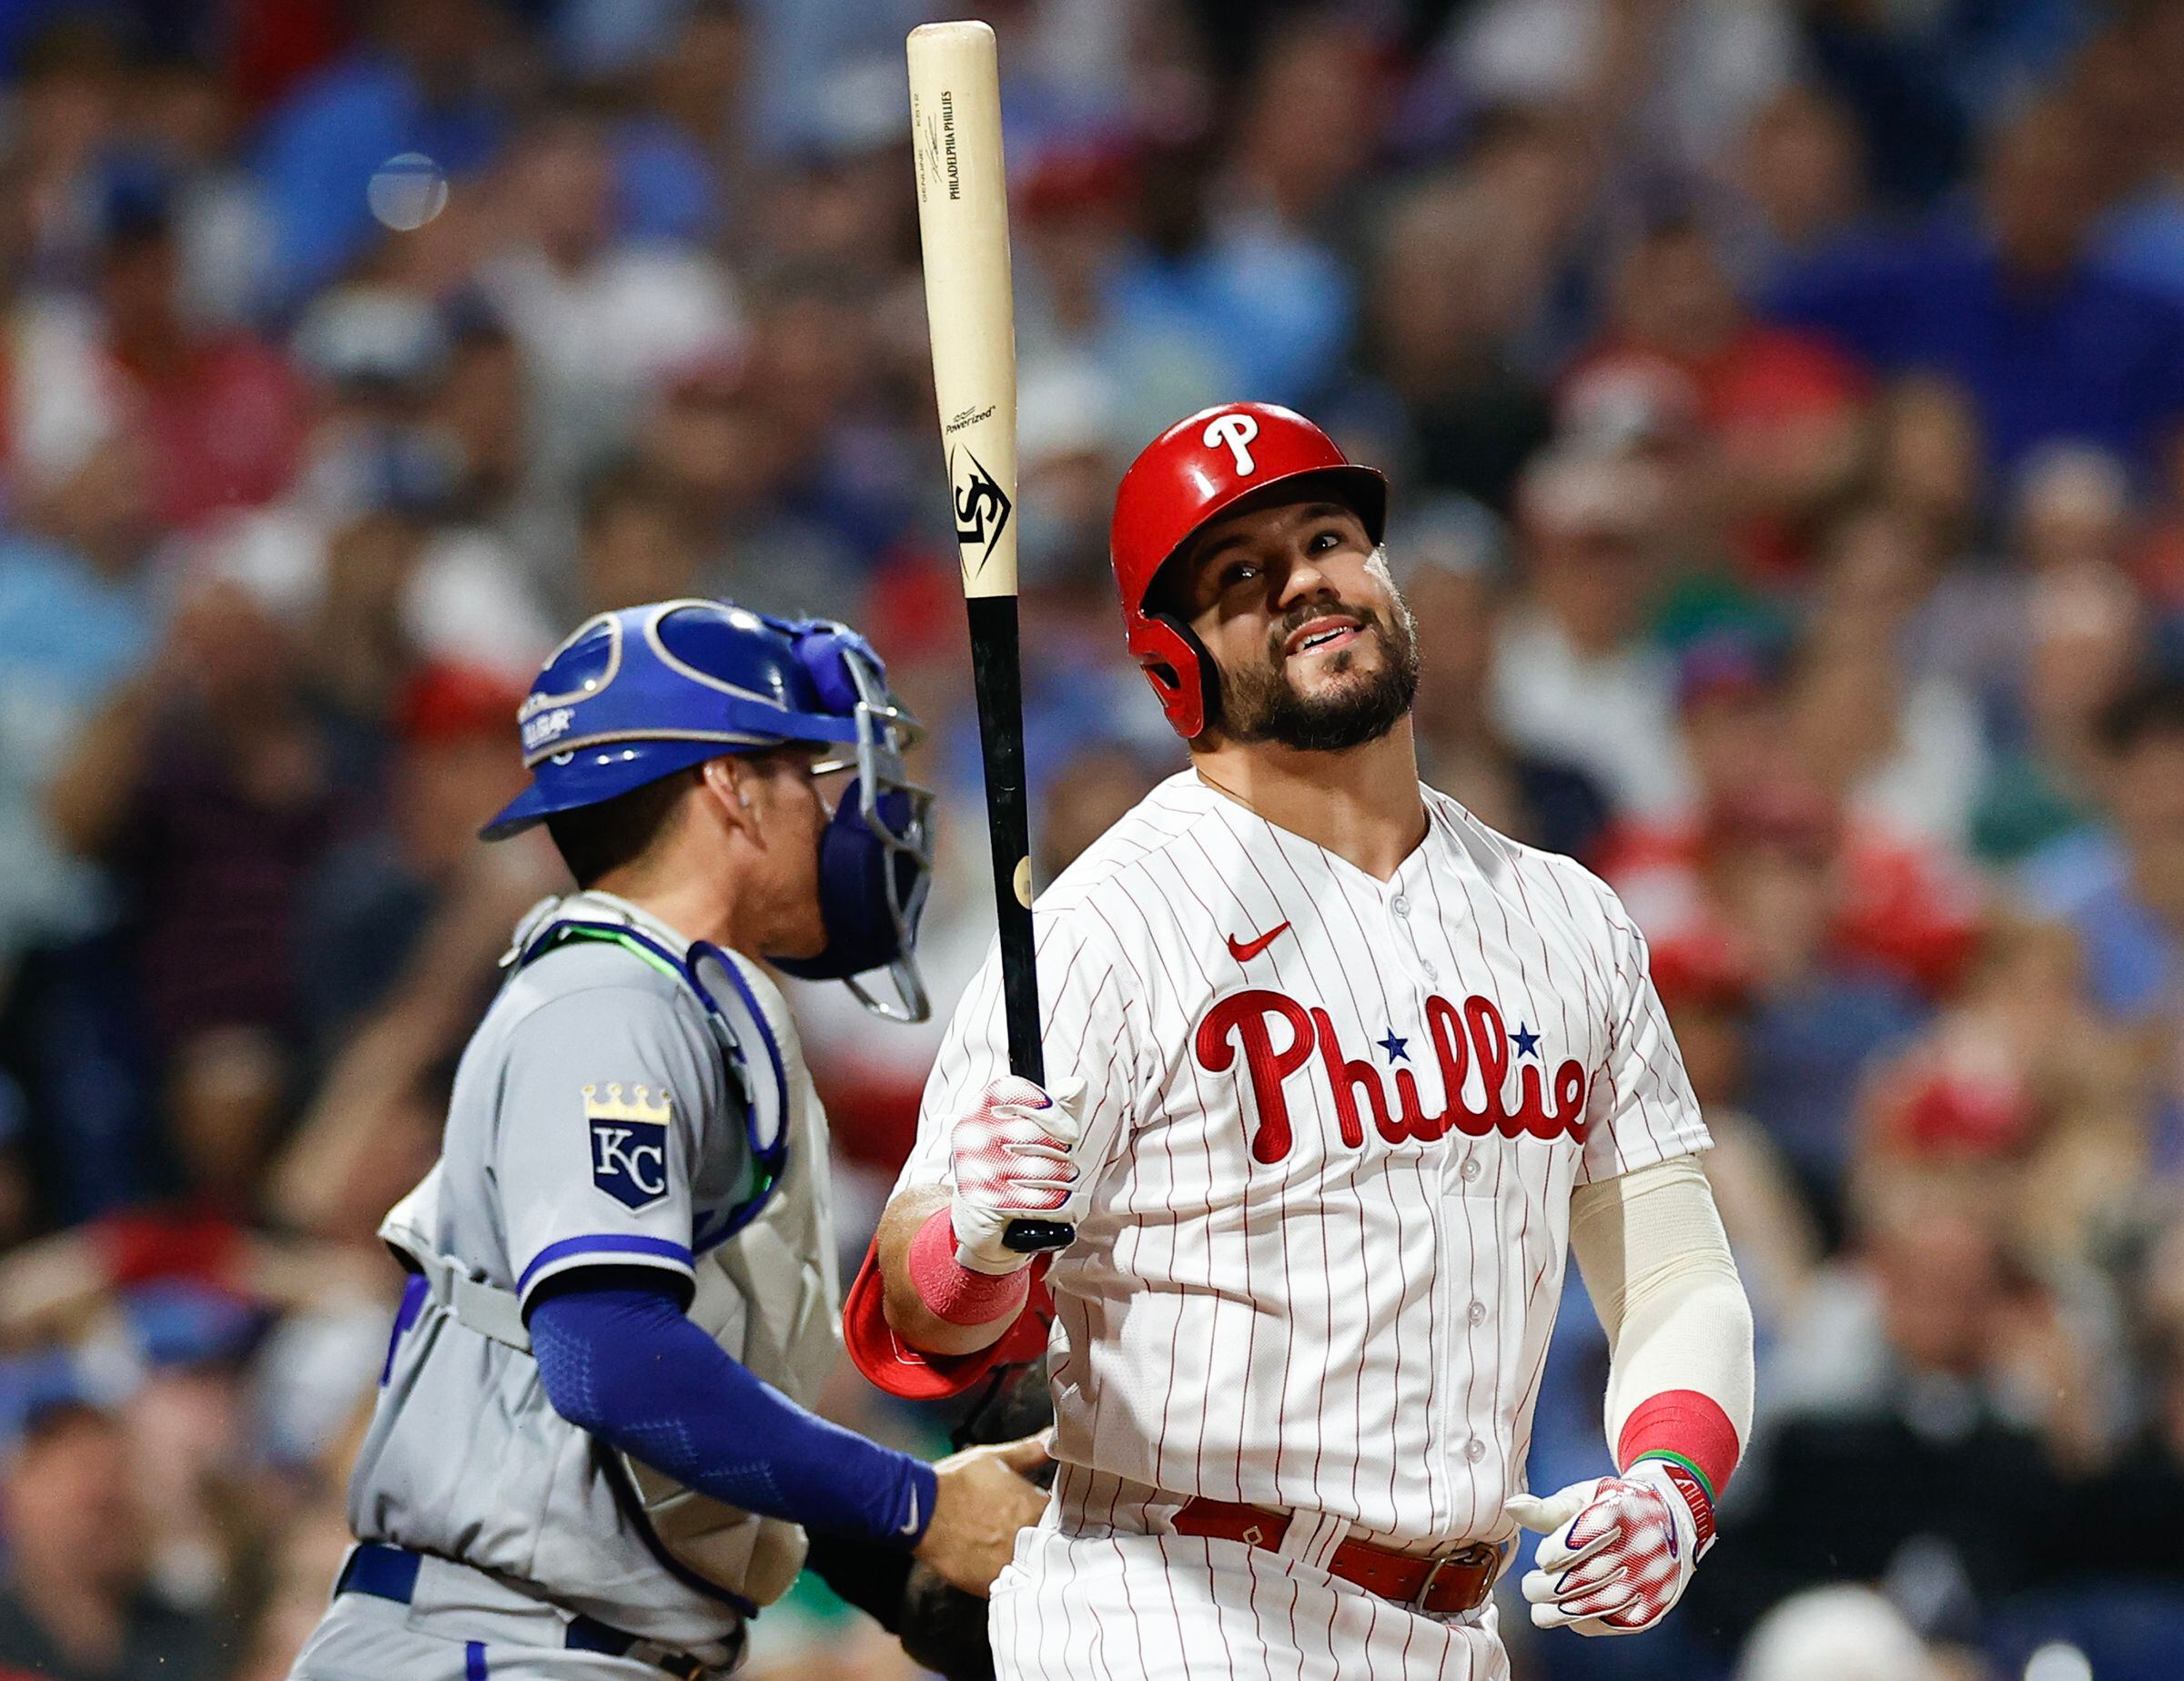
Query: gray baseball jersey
[[592, 1123]]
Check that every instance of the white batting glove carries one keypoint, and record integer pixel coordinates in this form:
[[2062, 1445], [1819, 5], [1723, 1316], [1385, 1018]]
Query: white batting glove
[[1618, 1550], [1012, 1159]]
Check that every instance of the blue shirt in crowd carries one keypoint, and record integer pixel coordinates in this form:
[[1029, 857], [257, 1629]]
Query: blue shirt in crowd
[[2088, 356]]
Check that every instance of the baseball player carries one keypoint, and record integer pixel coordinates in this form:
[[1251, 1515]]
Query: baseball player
[[1336, 1076], [590, 1456]]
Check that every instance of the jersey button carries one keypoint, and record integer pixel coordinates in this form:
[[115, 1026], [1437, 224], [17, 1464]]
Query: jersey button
[[1401, 905], [1471, 1166], [1432, 970], [1474, 1450], [1478, 1313]]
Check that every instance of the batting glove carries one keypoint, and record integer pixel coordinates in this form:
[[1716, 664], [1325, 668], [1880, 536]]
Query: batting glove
[[1012, 1159], [1618, 1550]]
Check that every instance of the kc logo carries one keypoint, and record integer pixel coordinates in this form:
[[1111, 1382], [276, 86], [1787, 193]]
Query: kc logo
[[1474, 1036], [629, 1143], [1236, 430]]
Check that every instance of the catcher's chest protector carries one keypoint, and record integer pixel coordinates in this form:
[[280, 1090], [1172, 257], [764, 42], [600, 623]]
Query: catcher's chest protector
[[768, 1291]]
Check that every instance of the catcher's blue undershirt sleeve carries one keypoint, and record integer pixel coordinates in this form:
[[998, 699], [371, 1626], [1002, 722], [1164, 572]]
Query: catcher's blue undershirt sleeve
[[619, 1359]]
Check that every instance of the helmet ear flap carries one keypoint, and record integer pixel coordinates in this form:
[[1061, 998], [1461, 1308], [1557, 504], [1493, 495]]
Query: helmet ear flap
[[1175, 662]]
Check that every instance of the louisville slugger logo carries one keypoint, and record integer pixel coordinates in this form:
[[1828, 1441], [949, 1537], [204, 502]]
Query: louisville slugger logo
[[982, 509]]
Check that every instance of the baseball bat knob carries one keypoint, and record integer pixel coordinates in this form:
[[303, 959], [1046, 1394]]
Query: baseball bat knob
[[1033, 1236]]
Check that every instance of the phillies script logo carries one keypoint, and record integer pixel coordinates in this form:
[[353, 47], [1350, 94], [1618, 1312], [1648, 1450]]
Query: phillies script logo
[[982, 509], [1277, 1036]]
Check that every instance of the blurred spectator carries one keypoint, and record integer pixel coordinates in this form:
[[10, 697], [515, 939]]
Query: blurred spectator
[[1449, 572], [77, 1604], [599, 321], [636, 542], [479, 412], [2121, 887], [1802, 167], [188, 1420], [223, 415], [423, 83], [1078, 215], [1913, 1416], [1586, 54], [1903, 750], [366, 564], [208, 788], [680, 165], [1773, 418], [369, 904], [2084, 631], [1574, 676], [78, 617], [717, 444], [2049, 345], [1273, 305], [1457, 276], [1837, 927], [190, 125], [2116, 885], [1847, 1633]]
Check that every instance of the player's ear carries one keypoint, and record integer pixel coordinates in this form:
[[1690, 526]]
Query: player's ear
[[725, 783]]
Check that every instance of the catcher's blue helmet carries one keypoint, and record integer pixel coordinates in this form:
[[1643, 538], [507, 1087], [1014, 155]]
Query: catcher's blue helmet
[[641, 692]]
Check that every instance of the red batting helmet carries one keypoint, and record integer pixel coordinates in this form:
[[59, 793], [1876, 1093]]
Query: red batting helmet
[[1197, 470]]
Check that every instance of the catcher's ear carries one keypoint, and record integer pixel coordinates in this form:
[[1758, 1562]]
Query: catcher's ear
[[724, 778]]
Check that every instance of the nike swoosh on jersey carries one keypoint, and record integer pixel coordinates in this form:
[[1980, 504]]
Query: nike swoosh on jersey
[[1244, 952]]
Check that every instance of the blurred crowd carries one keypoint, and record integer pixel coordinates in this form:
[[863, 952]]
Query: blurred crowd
[[1784, 400]]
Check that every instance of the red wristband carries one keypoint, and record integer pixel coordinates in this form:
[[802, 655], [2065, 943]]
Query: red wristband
[[955, 1292], [1685, 1426]]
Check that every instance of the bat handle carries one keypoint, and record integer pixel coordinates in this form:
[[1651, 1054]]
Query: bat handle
[[1033, 1237]]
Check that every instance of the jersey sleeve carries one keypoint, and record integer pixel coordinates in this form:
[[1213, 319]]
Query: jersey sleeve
[[1642, 1110], [600, 1127], [1090, 1002]]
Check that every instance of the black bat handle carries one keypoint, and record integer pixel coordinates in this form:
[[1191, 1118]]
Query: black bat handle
[[997, 679]]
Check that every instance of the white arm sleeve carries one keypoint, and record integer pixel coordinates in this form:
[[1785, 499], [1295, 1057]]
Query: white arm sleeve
[[1657, 1265]]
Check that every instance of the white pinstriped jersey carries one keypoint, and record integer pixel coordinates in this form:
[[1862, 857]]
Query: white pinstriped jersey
[[1333, 1125]]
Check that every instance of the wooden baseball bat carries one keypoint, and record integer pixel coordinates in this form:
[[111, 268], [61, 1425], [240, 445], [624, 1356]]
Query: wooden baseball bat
[[970, 312]]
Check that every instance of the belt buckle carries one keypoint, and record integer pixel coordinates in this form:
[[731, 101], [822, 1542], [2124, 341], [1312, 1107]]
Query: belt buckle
[[1472, 1552], [1418, 1600]]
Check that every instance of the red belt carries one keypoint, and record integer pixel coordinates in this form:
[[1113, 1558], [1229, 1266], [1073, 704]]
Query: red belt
[[1448, 1584]]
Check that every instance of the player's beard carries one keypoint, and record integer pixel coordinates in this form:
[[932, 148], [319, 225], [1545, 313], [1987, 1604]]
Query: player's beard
[[1259, 702]]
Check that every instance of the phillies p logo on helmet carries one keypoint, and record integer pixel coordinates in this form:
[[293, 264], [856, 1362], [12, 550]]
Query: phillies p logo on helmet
[[1236, 430]]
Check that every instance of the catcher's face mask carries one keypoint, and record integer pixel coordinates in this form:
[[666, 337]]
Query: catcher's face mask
[[875, 854]]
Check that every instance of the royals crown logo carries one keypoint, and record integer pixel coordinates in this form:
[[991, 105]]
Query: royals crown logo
[[638, 1107]]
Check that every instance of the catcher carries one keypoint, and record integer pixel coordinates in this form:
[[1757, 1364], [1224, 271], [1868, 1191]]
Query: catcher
[[590, 1459]]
